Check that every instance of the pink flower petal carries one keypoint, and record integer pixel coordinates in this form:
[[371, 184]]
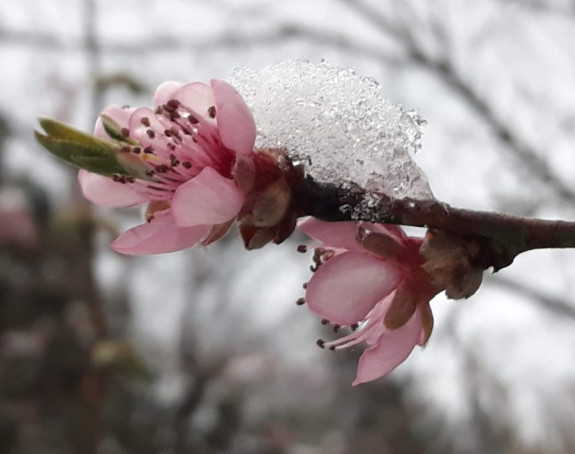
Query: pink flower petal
[[392, 348], [348, 286], [120, 115], [197, 96], [209, 198], [333, 234], [235, 120], [165, 92], [107, 192], [158, 236]]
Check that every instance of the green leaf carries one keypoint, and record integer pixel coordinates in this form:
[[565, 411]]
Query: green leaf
[[134, 165], [86, 151], [98, 159], [114, 130], [61, 131]]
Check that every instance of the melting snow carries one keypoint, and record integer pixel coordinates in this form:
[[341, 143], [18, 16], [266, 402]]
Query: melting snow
[[338, 124]]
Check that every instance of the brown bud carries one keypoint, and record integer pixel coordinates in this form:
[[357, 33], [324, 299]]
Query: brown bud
[[271, 204], [244, 173], [217, 232], [256, 237], [448, 265], [402, 306]]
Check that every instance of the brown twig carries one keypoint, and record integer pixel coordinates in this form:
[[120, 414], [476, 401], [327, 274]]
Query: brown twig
[[501, 236]]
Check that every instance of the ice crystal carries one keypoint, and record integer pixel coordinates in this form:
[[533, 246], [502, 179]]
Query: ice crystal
[[338, 124]]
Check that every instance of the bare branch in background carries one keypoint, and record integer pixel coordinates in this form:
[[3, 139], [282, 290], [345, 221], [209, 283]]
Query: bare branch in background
[[231, 40], [557, 305], [544, 6], [446, 71]]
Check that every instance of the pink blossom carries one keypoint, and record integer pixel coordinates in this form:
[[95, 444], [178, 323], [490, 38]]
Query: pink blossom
[[369, 277], [17, 226], [183, 154]]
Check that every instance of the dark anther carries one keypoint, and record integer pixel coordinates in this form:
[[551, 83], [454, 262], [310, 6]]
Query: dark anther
[[175, 132], [320, 343], [187, 165], [162, 168], [136, 150], [123, 179], [149, 150], [174, 116], [125, 150], [150, 173], [354, 326], [302, 248], [193, 120], [212, 112], [304, 285], [168, 133], [336, 328], [145, 121], [314, 267], [172, 146], [151, 134], [130, 179], [300, 302], [324, 321], [159, 110], [332, 347], [125, 132], [173, 104]]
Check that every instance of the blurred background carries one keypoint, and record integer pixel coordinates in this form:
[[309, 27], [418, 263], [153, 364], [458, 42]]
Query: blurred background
[[204, 351]]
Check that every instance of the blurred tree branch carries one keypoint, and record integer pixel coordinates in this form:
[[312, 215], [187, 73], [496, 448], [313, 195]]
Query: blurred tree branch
[[443, 67], [544, 6], [557, 305]]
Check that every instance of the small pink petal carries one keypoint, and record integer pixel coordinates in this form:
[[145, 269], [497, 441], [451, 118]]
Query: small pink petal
[[349, 285], [235, 120], [165, 92], [392, 348], [120, 115], [104, 191], [197, 96], [333, 234], [158, 236], [209, 198]]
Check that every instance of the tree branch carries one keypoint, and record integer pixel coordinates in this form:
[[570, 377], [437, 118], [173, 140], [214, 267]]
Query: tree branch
[[501, 237]]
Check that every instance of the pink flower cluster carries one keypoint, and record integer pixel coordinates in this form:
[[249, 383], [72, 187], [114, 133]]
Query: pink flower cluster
[[184, 152], [369, 277], [191, 159]]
